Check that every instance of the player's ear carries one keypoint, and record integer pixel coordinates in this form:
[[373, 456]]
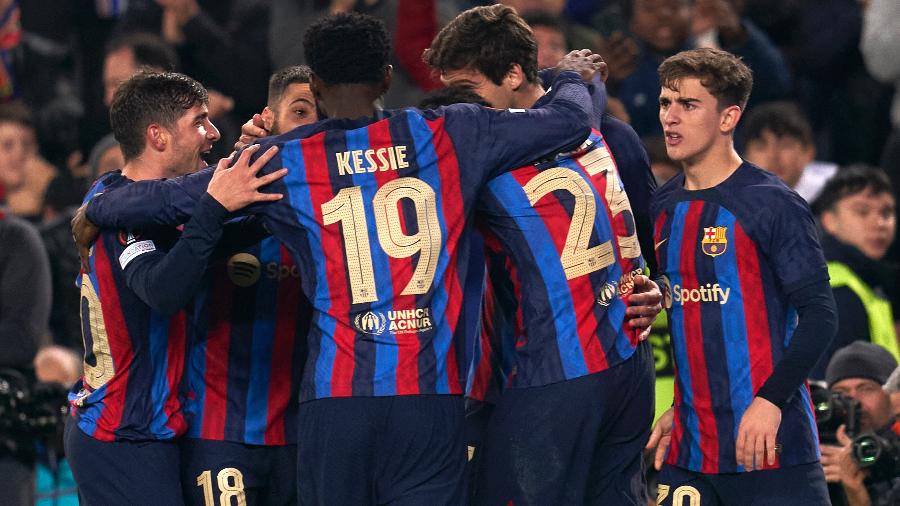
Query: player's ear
[[315, 86], [729, 118], [268, 117], [387, 79], [515, 77], [156, 137]]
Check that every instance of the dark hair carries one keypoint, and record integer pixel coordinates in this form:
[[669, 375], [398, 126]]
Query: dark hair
[[782, 118], [149, 51], [451, 95], [723, 74], [151, 97], [285, 77], [16, 112], [347, 48], [488, 39], [545, 19], [849, 181]]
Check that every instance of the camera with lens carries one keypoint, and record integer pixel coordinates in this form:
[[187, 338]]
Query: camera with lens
[[29, 412], [879, 453], [833, 410]]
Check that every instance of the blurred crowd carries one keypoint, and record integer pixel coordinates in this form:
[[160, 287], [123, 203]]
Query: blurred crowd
[[824, 104]]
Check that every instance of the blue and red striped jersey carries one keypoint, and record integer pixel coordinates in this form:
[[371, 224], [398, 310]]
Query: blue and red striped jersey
[[376, 213], [563, 252], [730, 255], [245, 365], [134, 356]]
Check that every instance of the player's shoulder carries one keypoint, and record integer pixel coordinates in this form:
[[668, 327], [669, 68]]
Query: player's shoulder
[[760, 189], [618, 134], [105, 182], [666, 194]]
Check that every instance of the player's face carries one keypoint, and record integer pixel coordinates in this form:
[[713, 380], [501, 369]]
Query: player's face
[[865, 220], [874, 402], [785, 156], [297, 107], [551, 46], [691, 120], [192, 136], [118, 67], [500, 96]]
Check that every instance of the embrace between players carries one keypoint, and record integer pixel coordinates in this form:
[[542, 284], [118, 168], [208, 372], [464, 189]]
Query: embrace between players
[[346, 359]]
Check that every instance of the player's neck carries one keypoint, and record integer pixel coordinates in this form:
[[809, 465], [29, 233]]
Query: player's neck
[[142, 168], [350, 101], [527, 94], [712, 167]]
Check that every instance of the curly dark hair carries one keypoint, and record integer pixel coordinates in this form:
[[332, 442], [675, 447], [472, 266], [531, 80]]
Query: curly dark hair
[[487, 39], [723, 74], [151, 97], [347, 48], [851, 180]]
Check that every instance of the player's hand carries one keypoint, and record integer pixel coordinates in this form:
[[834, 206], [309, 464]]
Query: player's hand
[[643, 305], [661, 437], [237, 186], [756, 434], [584, 62], [85, 233], [253, 129]]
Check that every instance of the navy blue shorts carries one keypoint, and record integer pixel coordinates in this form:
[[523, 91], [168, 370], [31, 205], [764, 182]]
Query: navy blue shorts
[[574, 442], [402, 450], [804, 484], [123, 472], [478, 414], [225, 472]]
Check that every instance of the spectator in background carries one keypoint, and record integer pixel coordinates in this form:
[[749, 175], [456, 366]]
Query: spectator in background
[[127, 54], [858, 371], [651, 30], [880, 48], [24, 175], [778, 138], [24, 308], [892, 387], [858, 216]]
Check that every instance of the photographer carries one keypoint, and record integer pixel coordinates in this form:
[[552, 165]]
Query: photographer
[[858, 371], [24, 310]]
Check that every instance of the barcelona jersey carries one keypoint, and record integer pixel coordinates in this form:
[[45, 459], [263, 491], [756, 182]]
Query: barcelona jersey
[[562, 256], [134, 356], [245, 365], [376, 214], [730, 255]]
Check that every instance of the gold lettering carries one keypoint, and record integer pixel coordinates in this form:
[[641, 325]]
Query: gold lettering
[[357, 161], [370, 160], [343, 163], [383, 163], [401, 157]]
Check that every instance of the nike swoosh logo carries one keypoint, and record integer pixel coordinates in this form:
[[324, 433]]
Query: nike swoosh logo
[[656, 247]]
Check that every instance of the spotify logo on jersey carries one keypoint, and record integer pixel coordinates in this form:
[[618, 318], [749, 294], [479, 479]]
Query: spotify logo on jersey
[[244, 269]]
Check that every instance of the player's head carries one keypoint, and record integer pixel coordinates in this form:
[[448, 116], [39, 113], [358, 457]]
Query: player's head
[[859, 371], [779, 138], [490, 49], [18, 143], [126, 55], [449, 96], [857, 207], [703, 94], [291, 103], [550, 34], [164, 116], [348, 49]]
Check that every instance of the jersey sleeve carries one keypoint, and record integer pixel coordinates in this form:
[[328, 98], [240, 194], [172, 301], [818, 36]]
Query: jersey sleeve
[[793, 244], [146, 204], [167, 279], [491, 140]]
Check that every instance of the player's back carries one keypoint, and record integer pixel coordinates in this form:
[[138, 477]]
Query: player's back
[[134, 355], [562, 254]]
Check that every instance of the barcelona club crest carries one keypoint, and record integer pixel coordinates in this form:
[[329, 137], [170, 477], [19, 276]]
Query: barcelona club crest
[[714, 240]]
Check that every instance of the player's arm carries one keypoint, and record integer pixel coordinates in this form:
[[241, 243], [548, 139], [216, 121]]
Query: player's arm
[[169, 202], [799, 265], [596, 85], [493, 140]]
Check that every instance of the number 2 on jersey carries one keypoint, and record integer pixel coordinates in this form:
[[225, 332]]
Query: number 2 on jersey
[[577, 258], [347, 208]]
